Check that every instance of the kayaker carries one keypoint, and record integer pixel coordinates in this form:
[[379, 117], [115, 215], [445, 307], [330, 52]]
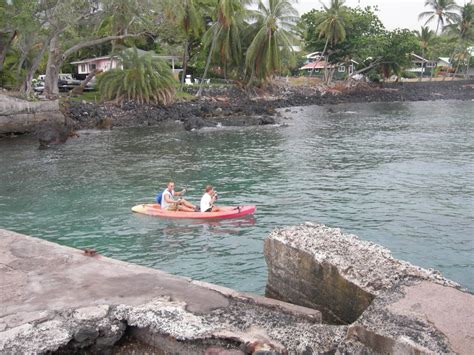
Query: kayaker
[[168, 202], [208, 199]]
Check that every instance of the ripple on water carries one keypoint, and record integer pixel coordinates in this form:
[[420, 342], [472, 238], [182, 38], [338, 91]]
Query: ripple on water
[[398, 174]]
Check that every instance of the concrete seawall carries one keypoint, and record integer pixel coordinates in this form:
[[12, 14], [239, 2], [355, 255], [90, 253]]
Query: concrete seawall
[[58, 298], [391, 306], [61, 300]]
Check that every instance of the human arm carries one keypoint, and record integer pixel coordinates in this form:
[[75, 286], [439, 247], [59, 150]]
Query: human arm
[[168, 199], [180, 193]]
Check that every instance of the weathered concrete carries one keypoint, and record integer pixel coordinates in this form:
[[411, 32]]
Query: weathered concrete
[[20, 116], [418, 317], [55, 297], [394, 306]]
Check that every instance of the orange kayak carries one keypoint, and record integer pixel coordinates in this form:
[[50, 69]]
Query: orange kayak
[[154, 209]]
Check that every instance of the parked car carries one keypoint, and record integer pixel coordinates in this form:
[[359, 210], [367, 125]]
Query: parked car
[[38, 86], [66, 82]]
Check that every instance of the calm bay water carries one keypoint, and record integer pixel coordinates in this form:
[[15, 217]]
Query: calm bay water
[[398, 174]]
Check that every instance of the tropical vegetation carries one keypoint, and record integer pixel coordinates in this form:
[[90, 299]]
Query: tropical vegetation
[[342, 34], [142, 78], [275, 33], [246, 42]]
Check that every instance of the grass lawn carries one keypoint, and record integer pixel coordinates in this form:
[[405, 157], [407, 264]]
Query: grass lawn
[[89, 96]]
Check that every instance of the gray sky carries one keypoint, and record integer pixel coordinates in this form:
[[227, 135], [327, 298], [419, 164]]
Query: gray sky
[[392, 13]]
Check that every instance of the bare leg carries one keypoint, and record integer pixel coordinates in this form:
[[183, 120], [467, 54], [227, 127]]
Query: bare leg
[[188, 204], [215, 209], [185, 208]]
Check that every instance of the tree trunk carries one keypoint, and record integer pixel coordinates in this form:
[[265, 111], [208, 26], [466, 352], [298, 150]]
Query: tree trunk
[[423, 64], [4, 51], [51, 89], [322, 55], [208, 62], [456, 71], [330, 76], [433, 69], [185, 61], [21, 62], [466, 76], [80, 89], [56, 60], [26, 87]]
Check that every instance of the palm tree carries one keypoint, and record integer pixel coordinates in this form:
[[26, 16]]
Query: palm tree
[[143, 79], [462, 32], [332, 26], [224, 35], [276, 26], [462, 28], [425, 36], [442, 11], [186, 15]]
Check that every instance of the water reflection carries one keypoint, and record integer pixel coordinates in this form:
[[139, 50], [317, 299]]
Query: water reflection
[[178, 227]]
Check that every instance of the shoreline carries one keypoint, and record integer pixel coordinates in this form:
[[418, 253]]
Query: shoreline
[[227, 106], [231, 106]]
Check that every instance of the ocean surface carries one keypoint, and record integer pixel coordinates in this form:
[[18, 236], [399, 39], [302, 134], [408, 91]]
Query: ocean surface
[[398, 174]]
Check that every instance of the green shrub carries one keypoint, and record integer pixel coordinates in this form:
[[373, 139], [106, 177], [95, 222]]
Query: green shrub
[[143, 79], [409, 75]]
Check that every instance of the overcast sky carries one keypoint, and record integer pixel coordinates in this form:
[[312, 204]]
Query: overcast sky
[[392, 13]]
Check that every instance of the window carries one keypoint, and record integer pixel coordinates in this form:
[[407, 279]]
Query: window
[[83, 68], [92, 66], [341, 69]]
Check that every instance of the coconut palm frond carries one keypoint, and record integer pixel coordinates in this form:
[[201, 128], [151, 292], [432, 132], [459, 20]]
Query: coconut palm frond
[[143, 79]]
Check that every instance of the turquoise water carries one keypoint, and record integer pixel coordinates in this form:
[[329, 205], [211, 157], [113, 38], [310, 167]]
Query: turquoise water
[[398, 174]]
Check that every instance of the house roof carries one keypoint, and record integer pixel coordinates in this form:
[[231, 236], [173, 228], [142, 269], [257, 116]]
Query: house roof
[[444, 59], [322, 64], [316, 65], [140, 53], [419, 57], [90, 60]]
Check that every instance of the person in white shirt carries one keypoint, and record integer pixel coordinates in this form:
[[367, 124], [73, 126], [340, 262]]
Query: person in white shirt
[[169, 203], [208, 199]]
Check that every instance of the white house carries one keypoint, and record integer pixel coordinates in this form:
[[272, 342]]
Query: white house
[[421, 65], [85, 66], [444, 62]]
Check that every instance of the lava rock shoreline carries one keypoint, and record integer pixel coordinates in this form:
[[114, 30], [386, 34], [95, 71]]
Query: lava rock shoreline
[[232, 106]]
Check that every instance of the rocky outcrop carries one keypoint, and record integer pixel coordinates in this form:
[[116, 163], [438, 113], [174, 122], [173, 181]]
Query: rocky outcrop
[[391, 306], [20, 116]]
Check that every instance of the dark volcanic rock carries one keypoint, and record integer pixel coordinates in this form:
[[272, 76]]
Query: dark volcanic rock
[[54, 133], [232, 106], [194, 122], [267, 120]]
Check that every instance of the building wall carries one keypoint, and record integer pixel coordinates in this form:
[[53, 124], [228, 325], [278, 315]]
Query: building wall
[[102, 64]]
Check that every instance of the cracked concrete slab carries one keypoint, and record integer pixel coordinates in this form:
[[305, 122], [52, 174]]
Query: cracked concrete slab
[[391, 306], [55, 297]]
